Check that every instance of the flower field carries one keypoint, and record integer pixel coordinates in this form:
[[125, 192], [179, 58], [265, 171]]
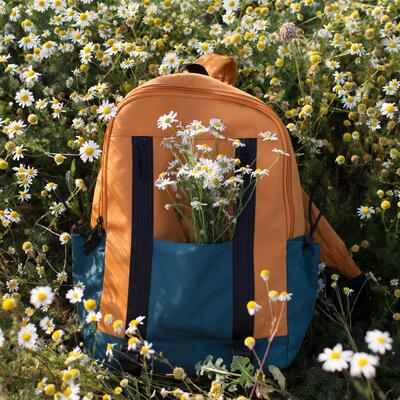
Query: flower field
[[329, 69]]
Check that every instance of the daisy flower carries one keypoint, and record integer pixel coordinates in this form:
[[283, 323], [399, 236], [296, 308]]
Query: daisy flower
[[268, 136], [51, 186], [93, 316], [392, 44], [65, 238], [335, 359], [47, 324], [89, 151], [365, 212], [12, 285], [281, 152], [388, 109], [204, 48], [24, 98], [133, 325], [363, 364], [57, 335], [75, 295], [107, 111], [146, 350], [18, 152], [171, 60], [27, 336], [166, 120], [57, 208], [259, 173], [42, 297], [216, 125], [109, 349], [378, 341], [133, 343], [30, 75], [253, 307]]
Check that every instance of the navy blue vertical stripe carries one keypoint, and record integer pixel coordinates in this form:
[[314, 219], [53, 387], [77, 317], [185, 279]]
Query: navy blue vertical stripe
[[243, 254], [142, 229]]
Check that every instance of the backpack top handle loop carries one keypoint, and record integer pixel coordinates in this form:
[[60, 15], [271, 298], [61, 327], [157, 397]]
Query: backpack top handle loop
[[193, 68]]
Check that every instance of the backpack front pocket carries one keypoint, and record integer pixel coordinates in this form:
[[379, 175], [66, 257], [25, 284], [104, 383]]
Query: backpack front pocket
[[191, 291]]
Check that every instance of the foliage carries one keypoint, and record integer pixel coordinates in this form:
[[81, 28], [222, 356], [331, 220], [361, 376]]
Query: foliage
[[330, 71]]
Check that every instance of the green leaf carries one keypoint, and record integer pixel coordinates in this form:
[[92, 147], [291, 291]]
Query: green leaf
[[278, 376], [245, 367], [73, 168], [69, 181]]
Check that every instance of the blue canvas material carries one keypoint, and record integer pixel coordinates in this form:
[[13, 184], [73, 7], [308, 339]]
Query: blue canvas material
[[302, 280], [191, 301], [88, 269], [191, 292]]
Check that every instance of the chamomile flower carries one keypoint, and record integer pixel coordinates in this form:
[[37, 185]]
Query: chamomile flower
[[24, 98], [146, 349], [42, 297], [134, 325], [47, 324], [93, 316], [166, 120], [89, 151], [27, 336], [280, 152], [75, 295], [253, 307], [365, 212], [107, 111], [65, 237], [204, 48], [363, 364], [268, 136], [12, 285], [51, 186], [378, 341], [389, 109], [133, 343], [335, 359], [18, 153]]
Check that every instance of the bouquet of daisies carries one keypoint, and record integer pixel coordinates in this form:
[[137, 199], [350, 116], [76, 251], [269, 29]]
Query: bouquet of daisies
[[207, 189]]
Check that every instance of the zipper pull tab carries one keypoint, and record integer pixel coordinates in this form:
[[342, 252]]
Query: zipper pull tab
[[94, 237]]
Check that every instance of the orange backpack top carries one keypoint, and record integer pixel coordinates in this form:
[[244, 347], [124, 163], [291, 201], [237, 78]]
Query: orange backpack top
[[194, 296]]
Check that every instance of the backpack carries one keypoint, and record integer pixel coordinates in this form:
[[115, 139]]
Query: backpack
[[135, 261]]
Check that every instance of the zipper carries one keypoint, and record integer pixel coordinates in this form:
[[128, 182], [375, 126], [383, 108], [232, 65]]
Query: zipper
[[234, 97], [144, 155]]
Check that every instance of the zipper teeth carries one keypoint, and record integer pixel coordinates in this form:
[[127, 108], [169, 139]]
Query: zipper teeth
[[241, 98]]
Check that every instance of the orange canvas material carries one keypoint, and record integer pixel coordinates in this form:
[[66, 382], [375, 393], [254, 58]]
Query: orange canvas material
[[280, 200]]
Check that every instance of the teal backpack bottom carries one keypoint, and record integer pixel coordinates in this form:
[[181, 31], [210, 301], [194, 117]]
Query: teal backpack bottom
[[190, 302]]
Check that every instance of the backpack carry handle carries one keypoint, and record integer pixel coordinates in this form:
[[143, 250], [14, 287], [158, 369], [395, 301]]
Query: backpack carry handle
[[193, 68]]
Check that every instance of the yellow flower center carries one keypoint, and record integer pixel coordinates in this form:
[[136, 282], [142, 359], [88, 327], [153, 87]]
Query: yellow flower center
[[26, 336], [89, 151], [42, 296], [106, 110], [362, 362], [335, 355], [380, 339], [25, 97], [389, 108]]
